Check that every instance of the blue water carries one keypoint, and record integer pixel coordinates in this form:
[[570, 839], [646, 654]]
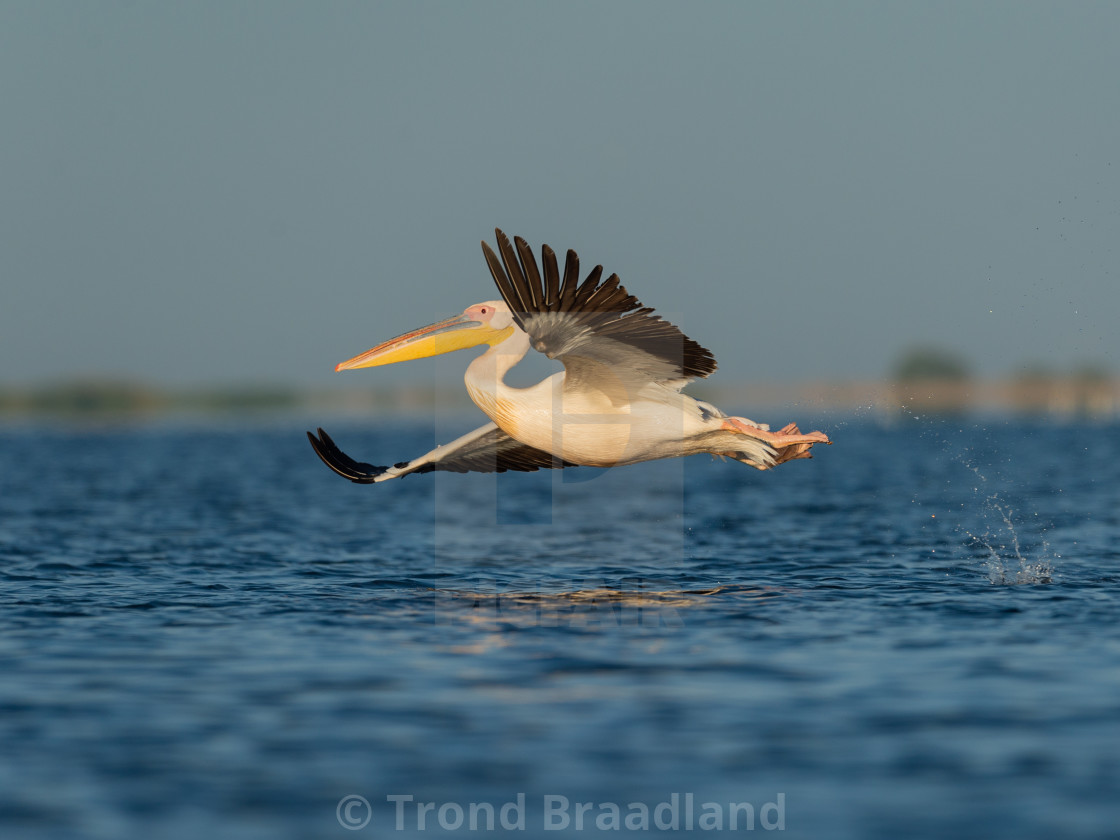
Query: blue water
[[205, 633]]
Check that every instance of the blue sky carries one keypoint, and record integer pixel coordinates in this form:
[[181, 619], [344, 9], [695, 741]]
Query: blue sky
[[239, 192]]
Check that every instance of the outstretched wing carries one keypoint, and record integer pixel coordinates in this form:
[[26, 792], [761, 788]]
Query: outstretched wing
[[592, 320], [486, 450]]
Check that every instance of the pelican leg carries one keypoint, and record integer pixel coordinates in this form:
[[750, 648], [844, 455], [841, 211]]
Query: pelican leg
[[789, 442]]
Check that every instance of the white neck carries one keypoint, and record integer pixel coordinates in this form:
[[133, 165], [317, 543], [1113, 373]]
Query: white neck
[[485, 375]]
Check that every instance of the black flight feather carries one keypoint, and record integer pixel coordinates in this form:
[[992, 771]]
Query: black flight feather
[[600, 307]]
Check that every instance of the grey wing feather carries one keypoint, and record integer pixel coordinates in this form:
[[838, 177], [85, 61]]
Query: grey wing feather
[[597, 320], [487, 449]]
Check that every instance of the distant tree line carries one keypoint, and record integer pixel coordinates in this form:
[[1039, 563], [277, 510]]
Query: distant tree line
[[926, 364], [123, 398]]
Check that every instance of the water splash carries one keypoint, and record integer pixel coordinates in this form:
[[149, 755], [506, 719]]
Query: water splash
[[1006, 563]]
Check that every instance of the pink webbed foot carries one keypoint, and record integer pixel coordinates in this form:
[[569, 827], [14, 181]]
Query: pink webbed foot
[[789, 443]]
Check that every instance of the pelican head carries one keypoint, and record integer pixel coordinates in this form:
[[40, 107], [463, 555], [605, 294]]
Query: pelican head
[[484, 323]]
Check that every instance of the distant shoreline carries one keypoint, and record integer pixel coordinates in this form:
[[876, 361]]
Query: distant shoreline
[[1060, 397]]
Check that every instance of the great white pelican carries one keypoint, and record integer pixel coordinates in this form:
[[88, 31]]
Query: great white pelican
[[617, 401]]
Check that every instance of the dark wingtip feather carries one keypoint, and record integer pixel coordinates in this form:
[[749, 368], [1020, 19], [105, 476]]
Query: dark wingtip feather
[[341, 463], [502, 281], [531, 273], [551, 279], [522, 297], [603, 306], [571, 281]]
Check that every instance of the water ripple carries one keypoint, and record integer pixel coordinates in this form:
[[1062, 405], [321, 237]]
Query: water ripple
[[206, 632]]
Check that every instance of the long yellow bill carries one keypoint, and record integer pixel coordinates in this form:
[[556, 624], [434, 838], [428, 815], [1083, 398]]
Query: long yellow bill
[[455, 333]]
